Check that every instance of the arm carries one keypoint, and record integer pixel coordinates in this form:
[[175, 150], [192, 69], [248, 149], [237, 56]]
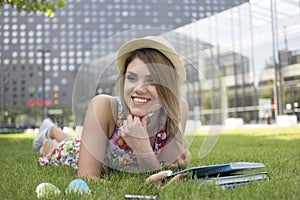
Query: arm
[[135, 134], [97, 128], [175, 152]]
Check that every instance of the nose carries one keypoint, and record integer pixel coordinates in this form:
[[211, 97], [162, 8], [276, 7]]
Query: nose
[[141, 87]]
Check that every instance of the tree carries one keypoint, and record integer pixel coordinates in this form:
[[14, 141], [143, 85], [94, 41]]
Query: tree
[[46, 7]]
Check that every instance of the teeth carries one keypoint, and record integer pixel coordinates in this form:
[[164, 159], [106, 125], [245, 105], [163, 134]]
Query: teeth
[[140, 100]]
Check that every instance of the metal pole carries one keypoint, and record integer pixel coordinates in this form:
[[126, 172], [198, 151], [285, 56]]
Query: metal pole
[[255, 96], [218, 77], [277, 81], [242, 61], [234, 66]]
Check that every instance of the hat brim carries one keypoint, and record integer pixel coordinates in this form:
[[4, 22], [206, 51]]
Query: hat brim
[[155, 43]]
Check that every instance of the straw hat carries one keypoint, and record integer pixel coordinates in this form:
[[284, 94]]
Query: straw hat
[[154, 42]]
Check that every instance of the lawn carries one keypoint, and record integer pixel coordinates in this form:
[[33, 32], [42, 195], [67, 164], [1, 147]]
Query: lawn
[[277, 148]]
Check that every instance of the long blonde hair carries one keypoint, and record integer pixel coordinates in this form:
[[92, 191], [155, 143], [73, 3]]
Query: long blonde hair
[[166, 81]]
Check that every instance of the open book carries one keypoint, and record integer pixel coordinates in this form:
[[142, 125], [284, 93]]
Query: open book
[[224, 174]]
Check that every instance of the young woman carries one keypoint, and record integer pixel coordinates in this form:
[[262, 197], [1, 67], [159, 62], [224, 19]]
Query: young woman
[[140, 130]]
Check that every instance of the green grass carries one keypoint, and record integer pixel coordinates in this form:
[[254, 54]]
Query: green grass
[[277, 148]]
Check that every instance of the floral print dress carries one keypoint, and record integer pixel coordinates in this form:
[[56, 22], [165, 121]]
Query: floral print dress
[[67, 153], [119, 156]]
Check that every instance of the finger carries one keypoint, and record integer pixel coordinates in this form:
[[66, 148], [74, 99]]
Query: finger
[[155, 177], [130, 119], [125, 125], [158, 176], [176, 178], [137, 120], [145, 120]]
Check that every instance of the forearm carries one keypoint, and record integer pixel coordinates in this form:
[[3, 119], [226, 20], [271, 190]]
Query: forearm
[[175, 153], [147, 161], [88, 166]]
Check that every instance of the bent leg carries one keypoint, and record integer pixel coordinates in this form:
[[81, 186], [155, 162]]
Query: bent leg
[[57, 134], [48, 146]]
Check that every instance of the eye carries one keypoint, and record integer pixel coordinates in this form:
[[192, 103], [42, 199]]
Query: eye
[[150, 81], [131, 78]]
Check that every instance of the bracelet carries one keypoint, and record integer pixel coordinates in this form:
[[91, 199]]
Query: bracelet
[[162, 163]]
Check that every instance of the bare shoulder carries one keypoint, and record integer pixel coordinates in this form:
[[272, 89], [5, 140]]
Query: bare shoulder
[[106, 108], [106, 104], [103, 98]]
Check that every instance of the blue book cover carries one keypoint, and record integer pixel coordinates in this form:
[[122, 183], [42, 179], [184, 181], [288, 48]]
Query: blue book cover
[[218, 170]]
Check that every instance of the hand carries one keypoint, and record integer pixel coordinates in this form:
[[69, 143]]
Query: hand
[[135, 134], [160, 176]]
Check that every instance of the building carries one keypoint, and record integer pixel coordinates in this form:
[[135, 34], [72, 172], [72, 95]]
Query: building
[[255, 47], [289, 83], [36, 47]]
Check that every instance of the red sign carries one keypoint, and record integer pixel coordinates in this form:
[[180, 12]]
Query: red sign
[[39, 102], [31, 102], [273, 105], [48, 102]]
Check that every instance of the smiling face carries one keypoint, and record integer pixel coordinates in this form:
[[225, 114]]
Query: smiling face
[[147, 88], [140, 93]]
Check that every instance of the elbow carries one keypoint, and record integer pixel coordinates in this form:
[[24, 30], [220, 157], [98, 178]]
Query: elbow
[[182, 162]]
